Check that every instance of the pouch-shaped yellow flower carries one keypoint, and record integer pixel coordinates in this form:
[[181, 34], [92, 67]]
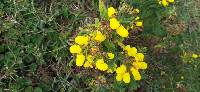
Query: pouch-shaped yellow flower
[[139, 57], [99, 36], [88, 64], [82, 40], [121, 69], [122, 31], [194, 56], [164, 3], [136, 74], [132, 51], [136, 11], [139, 23], [111, 55], [80, 58], [111, 11], [126, 77], [140, 65], [75, 49], [114, 23], [101, 65], [119, 77]]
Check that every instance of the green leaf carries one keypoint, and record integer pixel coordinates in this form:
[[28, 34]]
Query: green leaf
[[97, 23], [109, 46], [65, 12], [133, 85], [28, 89], [103, 10], [37, 89], [33, 66]]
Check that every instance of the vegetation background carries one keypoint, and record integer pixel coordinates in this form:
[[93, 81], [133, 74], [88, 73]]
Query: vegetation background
[[34, 56]]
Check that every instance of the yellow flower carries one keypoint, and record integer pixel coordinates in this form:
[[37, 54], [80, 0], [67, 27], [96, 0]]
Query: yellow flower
[[75, 49], [89, 58], [88, 64], [111, 55], [171, 1], [104, 67], [136, 11], [137, 18], [99, 36], [80, 58], [164, 3], [119, 77], [139, 23], [136, 74], [81, 40], [127, 47], [126, 77], [99, 61], [131, 51], [139, 57], [122, 31], [101, 65], [111, 11], [114, 23], [121, 69], [140, 65], [194, 56]]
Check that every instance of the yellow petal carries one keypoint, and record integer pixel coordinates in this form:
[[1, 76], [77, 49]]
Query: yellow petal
[[126, 78], [137, 18], [140, 65], [75, 49], [111, 11], [99, 36], [119, 77], [114, 23], [139, 23], [164, 3], [136, 11], [139, 56], [121, 69], [194, 56], [136, 74], [81, 40], [122, 31], [111, 55], [80, 60], [132, 51]]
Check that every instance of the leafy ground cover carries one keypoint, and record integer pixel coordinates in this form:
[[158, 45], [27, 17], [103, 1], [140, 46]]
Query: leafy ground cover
[[35, 37]]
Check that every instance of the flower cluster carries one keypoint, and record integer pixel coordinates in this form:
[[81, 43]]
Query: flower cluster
[[136, 64], [81, 42], [115, 24], [165, 3], [89, 53]]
